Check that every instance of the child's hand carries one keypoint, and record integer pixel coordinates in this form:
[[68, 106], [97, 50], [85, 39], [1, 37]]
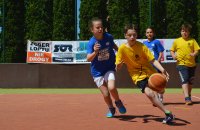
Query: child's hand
[[174, 57], [166, 74], [192, 54], [119, 66], [97, 46]]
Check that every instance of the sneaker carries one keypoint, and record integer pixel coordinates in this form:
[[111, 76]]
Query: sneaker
[[168, 119], [111, 112], [120, 107], [188, 101]]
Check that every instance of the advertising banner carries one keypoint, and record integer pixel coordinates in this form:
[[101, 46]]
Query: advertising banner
[[75, 52], [39, 52]]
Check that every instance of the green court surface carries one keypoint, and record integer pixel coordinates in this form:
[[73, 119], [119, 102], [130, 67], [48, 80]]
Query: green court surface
[[79, 91]]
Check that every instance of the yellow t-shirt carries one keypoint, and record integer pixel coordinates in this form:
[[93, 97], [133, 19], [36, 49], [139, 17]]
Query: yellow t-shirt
[[183, 49], [137, 59]]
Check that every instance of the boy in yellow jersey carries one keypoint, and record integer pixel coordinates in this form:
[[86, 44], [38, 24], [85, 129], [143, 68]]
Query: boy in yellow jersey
[[138, 59], [186, 49]]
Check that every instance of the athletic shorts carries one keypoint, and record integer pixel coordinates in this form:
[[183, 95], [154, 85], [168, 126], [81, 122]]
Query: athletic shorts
[[142, 84], [186, 74], [110, 75]]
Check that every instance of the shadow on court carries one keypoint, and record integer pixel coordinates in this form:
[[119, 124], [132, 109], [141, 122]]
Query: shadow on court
[[149, 118], [180, 103]]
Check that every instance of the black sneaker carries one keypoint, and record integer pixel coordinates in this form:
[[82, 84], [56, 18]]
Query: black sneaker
[[188, 101], [168, 119], [120, 107]]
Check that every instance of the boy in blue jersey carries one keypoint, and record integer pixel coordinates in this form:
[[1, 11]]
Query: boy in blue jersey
[[155, 47], [102, 57]]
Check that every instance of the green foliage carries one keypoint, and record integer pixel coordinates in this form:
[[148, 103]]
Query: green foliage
[[39, 20], [14, 50], [198, 21], [159, 18], [55, 20], [174, 17], [144, 17], [88, 10], [122, 12], [63, 20]]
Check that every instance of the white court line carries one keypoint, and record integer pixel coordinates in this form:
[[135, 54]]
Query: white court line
[[196, 97]]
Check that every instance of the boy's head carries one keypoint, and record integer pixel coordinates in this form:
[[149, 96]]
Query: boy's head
[[96, 26], [130, 33], [185, 31]]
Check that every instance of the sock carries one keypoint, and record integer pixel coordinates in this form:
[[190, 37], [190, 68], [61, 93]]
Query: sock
[[168, 113], [187, 98]]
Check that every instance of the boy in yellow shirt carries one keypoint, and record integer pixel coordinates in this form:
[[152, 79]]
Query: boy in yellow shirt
[[138, 59], [186, 49]]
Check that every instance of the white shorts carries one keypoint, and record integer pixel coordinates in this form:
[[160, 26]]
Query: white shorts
[[110, 75]]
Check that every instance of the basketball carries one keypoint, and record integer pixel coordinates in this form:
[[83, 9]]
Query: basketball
[[157, 82]]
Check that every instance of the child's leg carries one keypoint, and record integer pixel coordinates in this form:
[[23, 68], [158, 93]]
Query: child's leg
[[106, 95], [113, 90], [110, 78], [190, 89], [186, 89], [101, 84], [152, 95]]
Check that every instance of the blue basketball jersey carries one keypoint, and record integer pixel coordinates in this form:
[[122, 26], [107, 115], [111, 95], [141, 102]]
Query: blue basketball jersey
[[155, 47], [105, 59]]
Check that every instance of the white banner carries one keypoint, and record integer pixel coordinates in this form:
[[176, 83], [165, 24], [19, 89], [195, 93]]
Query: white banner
[[74, 52]]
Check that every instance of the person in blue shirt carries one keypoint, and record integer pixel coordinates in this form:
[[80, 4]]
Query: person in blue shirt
[[102, 57], [155, 47]]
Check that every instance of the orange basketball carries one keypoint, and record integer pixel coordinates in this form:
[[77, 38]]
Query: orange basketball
[[157, 82]]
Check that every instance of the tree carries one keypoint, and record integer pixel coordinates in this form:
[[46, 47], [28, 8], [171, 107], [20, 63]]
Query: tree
[[174, 17], [64, 20], [122, 12], [190, 15], [88, 10], [144, 17], [14, 32], [159, 18], [198, 25], [198, 21], [39, 23]]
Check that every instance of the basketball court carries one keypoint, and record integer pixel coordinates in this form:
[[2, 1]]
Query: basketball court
[[87, 112]]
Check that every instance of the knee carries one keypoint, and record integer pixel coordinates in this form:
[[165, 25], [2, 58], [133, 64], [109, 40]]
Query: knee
[[111, 88], [149, 93], [106, 94]]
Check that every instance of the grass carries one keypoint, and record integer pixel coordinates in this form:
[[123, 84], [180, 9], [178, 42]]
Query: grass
[[80, 91]]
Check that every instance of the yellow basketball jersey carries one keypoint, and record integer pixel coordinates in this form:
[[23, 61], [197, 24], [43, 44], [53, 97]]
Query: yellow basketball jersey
[[137, 59], [183, 48]]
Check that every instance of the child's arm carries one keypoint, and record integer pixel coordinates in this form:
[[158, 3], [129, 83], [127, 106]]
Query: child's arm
[[115, 47], [173, 55], [195, 53], [119, 66], [160, 56], [159, 67], [91, 56]]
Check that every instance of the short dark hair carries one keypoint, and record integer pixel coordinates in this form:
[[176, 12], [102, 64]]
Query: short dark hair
[[130, 26], [186, 26], [92, 20]]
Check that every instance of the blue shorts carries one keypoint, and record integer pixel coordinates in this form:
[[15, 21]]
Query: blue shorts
[[186, 74], [142, 84]]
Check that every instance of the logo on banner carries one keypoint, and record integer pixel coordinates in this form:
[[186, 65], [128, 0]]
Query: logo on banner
[[39, 52], [62, 52]]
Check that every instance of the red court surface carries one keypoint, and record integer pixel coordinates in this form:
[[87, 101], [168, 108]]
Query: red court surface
[[87, 112]]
